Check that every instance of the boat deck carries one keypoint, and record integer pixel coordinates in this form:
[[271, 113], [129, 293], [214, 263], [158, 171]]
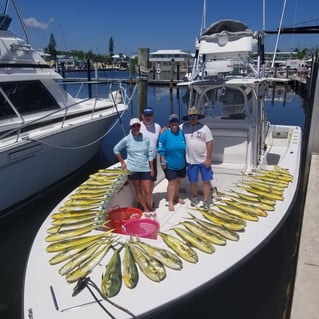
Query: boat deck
[[179, 285], [306, 290]]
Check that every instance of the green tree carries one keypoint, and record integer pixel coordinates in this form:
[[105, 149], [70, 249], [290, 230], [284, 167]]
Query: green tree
[[304, 53], [50, 49], [90, 55], [79, 54], [111, 47]]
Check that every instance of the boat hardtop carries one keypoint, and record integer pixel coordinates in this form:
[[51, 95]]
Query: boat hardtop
[[225, 47]]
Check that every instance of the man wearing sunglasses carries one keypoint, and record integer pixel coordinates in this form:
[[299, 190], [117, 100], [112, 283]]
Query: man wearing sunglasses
[[199, 148]]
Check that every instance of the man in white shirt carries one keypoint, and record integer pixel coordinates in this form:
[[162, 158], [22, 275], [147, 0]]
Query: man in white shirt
[[152, 131], [199, 148]]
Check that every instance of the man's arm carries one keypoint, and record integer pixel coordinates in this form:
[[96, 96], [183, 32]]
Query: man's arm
[[209, 151]]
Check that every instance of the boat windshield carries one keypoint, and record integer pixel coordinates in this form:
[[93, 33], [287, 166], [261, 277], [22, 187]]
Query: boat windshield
[[224, 103], [27, 97]]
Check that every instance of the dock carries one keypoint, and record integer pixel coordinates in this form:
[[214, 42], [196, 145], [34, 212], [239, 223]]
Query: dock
[[174, 82], [306, 290], [128, 81]]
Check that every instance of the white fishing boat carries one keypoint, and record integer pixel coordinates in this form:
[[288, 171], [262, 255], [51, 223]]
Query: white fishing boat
[[45, 133], [256, 175]]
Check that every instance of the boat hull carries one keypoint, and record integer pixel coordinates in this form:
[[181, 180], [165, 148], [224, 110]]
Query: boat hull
[[35, 165], [179, 286]]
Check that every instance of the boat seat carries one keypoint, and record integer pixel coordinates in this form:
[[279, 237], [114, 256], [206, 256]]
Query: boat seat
[[230, 150], [234, 111], [231, 154]]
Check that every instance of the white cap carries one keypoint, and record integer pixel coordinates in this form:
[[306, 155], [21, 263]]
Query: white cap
[[134, 121]]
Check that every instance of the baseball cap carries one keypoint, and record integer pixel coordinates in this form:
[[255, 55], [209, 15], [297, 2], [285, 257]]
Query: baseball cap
[[148, 111], [173, 117], [135, 121]]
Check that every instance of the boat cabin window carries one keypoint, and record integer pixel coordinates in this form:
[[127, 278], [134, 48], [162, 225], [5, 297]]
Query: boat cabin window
[[232, 104], [27, 97], [224, 103]]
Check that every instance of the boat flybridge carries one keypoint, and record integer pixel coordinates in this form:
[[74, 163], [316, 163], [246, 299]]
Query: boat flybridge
[[226, 46]]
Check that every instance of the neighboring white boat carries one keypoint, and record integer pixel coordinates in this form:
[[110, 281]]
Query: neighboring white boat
[[256, 174], [45, 133]]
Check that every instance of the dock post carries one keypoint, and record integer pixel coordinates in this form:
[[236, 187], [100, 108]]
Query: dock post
[[63, 70], [172, 74], [89, 78], [143, 54], [154, 71]]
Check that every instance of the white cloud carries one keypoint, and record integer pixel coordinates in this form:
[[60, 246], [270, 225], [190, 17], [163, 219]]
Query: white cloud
[[34, 23]]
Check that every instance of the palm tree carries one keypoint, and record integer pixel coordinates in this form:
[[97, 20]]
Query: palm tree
[[111, 47]]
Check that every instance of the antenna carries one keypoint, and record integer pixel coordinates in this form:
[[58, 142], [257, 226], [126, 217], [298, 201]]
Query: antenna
[[282, 16], [203, 26], [65, 47], [264, 15]]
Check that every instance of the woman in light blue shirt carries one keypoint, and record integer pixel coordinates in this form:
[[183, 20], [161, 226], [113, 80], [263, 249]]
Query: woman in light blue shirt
[[139, 163]]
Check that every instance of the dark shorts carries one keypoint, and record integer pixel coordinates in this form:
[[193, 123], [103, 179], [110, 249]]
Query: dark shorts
[[140, 176], [155, 169], [193, 169], [171, 174]]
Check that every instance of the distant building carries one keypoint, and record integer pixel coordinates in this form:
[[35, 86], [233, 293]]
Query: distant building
[[280, 58], [119, 62], [167, 60], [68, 62]]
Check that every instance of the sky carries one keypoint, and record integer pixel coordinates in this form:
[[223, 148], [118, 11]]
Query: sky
[[156, 24]]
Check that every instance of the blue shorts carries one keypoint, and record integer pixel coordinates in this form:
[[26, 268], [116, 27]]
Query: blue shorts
[[140, 176], [171, 174], [193, 169]]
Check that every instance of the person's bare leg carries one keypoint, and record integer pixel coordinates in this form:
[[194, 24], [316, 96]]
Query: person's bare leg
[[170, 194], [139, 194], [148, 196], [206, 190], [194, 189], [177, 198]]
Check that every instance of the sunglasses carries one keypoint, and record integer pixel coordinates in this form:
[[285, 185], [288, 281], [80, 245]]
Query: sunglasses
[[192, 117], [136, 125]]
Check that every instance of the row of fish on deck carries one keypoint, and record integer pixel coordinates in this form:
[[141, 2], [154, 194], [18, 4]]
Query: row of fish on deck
[[83, 213]]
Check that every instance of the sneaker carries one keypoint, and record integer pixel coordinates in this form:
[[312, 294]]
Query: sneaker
[[154, 216], [206, 205], [195, 201], [215, 195], [147, 215]]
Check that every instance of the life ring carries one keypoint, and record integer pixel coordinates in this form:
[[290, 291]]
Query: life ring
[[158, 70]]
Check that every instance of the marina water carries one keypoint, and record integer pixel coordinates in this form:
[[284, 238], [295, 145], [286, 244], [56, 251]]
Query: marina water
[[283, 106]]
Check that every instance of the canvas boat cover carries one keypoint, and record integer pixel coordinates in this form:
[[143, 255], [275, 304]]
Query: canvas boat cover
[[229, 26]]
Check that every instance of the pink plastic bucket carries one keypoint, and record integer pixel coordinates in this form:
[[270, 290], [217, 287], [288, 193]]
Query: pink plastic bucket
[[143, 227]]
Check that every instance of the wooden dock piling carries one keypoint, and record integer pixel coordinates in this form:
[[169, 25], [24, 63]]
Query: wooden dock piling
[[143, 54]]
